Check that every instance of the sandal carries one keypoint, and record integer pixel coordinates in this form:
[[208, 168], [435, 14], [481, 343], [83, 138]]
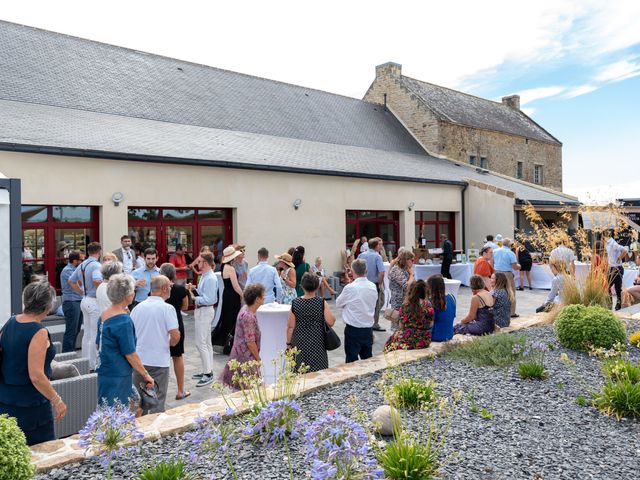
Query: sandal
[[183, 396]]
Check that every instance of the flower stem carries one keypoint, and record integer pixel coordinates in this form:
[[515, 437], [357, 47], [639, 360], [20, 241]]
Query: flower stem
[[109, 470], [230, 463], [286, 447]]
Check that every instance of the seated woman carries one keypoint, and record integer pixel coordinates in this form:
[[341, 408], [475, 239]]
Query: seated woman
[[324, 283], [246, 344], [503, 298], [633, 293], [415, 319], [305, 329], [444, 305], [554, 297], [479, 320], [26, 392]]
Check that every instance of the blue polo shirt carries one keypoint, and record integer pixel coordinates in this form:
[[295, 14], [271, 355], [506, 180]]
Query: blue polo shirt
[[375, 265], [87, 273], [68, 293], [143, 272], [503, 258]]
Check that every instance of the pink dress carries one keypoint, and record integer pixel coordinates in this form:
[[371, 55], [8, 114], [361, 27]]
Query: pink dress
[[247, 330]]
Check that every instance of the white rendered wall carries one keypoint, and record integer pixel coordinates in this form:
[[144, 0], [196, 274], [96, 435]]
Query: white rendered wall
[[5, 257]]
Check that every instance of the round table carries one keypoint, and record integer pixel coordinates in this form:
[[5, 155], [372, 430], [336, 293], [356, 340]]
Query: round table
[[452, 287], [541, 277], [272, 320], [459, 271]]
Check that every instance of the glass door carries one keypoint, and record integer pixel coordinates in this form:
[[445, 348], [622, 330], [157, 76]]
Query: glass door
[[174, 235]]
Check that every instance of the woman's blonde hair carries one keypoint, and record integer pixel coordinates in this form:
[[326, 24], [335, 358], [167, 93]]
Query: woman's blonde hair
[[502, 283], [403, 258]]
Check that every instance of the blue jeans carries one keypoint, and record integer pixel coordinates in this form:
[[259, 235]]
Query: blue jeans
[[358, 343], [73, 321]]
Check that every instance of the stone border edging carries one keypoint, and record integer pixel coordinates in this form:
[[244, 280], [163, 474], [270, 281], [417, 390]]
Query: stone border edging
[[57, 453]]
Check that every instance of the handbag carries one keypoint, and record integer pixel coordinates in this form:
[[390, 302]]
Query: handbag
[[391, 314], [331, 338]]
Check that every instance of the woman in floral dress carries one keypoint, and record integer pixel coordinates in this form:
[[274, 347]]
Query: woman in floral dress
[[416, 320], [287, 277]]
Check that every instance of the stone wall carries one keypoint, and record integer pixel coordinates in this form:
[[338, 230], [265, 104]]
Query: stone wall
[[457, 142]]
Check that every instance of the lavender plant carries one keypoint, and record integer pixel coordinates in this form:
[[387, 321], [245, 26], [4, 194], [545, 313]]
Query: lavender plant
[[107, 432], [338, 448], [532, 353], [212, 437]]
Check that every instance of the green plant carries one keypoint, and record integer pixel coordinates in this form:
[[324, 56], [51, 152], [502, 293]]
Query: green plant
[[486, 414], [473, 406], [167, 470], [15, 456], [620, 399], [581, 400], [580, 328], [532, 371], [490, 350], [411, 393], [532, 367], [406, 458], [560, 386], [619, 370], [634, 338]]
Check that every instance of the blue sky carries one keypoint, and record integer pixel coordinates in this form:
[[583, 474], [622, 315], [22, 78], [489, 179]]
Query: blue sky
[[576, 63]]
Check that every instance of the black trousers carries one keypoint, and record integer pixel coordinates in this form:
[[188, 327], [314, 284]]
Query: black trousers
[[358, 343], [615, 279], [446, 265]]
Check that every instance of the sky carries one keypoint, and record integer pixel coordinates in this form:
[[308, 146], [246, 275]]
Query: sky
[[575, 63]]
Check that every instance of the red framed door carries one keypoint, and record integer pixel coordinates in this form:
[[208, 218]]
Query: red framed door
[[374, 223]]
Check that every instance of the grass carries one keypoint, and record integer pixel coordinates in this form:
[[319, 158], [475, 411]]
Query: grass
[[489, 351], [408, 459], [581, 400], [167, 470], [411, 393], [486, 414], [532, 371], [619, 399]]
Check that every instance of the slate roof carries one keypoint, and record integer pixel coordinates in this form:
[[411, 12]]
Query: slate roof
[[54, 130], [464, 109], [38, 66]]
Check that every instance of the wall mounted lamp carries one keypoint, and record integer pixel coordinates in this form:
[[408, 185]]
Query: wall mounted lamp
[[411, 205], [117, 198], [296, 203]]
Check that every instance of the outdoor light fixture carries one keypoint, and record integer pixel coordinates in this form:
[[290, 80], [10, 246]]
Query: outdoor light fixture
[[296, 203], [117, 197], [411, 205]]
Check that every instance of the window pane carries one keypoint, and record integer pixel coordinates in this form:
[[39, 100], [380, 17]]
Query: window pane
[[68, 239], [366, 214], [387, 233], [483, 162], [144, 213], [472, 159], [368, 229], [386, 215], [212, 214], [352, 215], [429, 216], [430, 233], [444, 216], [351, 233], [145, 236], [444, 228], [213, 236], [34, 213], [33, 243], [71, 214], [176, 235], [178, 213]]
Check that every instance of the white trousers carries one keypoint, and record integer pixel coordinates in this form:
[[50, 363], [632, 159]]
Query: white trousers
[[90, 317], [203, 320]]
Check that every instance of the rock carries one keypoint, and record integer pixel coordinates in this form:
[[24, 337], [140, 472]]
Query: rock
[[384, 418]]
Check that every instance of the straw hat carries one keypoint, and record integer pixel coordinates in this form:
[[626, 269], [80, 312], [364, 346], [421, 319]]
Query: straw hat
[[229, 254], [285, 258]]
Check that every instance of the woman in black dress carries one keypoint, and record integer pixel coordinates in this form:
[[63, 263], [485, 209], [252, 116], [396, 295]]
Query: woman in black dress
[[306, 325], [222, 336], [178, 299], [526, 262]]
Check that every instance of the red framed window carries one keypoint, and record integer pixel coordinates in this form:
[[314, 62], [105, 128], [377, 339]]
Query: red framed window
[[431, 224], [50, 232], [374, 223], [164, 228]]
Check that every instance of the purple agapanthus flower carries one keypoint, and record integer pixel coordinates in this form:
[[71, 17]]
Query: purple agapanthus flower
[[276, 421], [210, 436]]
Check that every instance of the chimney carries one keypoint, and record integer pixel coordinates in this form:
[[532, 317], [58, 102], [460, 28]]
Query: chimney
[[389, 69], [512, 101]]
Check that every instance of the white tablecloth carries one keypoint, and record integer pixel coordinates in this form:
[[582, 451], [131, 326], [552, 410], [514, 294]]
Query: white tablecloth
[[541, 277], [272, 320], [459, 271], [387, 292], [452, 287], [582, 270]]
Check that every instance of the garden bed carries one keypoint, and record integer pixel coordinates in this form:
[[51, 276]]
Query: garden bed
[[530, 429]]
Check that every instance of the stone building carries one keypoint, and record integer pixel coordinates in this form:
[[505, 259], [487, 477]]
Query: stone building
[[468, 129]]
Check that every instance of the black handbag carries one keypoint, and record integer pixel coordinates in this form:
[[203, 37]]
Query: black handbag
[[331, 338]]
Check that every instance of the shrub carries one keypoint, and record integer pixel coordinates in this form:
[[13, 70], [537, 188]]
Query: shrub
[[15, 456], [619, 370], [580, 328], [620, 399], [490, 350], [169, 470], [407, 459], [411, 393]]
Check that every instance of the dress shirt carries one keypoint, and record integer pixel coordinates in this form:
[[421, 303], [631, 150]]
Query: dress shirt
[[492, 245], [68, 293], [364, 248], [564, 255], [91, 268], [614, 253], [358, 301], [375, 265], [128, 260], [503, 258], [267, 276], [153, 320], [207, 290], [147, 274]]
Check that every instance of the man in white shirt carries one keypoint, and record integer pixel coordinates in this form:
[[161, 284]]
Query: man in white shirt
[[358, 303], [565, 256], [616, 254], [490, 243], [156, 327], [267, 276], [126, 255]]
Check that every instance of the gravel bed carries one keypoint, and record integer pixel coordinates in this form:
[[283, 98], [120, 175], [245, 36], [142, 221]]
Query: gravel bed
[[538, 431]]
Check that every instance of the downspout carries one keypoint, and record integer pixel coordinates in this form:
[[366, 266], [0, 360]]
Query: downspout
[[462, 221]]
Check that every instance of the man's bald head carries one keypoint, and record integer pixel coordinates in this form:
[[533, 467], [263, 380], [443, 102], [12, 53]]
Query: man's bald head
[[160, 285]]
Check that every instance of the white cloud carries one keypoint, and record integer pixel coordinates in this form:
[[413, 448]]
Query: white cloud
[[579, 90], [529, 111], [532, 94], [605, 193], [617, 71]]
